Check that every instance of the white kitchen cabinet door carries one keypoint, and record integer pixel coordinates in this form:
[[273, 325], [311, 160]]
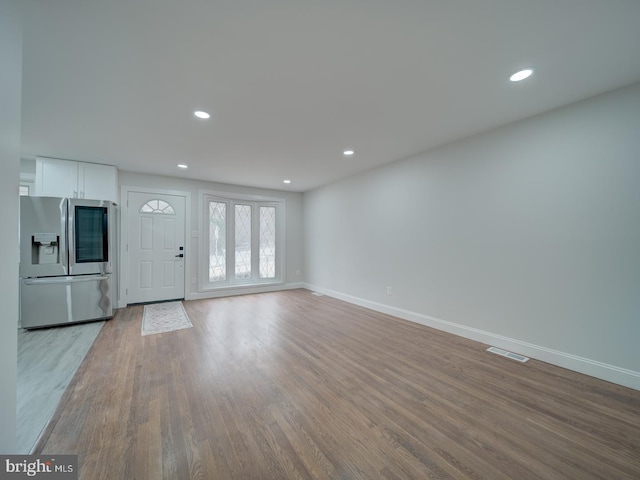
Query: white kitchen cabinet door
[[97, 182], [66, 178], [56, 178]]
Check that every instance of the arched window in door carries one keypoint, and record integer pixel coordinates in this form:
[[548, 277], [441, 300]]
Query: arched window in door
[[157, 206]]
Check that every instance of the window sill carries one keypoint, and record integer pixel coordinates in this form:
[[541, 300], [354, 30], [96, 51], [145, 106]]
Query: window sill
[[238, 286], [237, 289]]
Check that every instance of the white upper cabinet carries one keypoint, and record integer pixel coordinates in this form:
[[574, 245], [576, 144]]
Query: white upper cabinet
[[98, 182], [56, 178], [65, 178]]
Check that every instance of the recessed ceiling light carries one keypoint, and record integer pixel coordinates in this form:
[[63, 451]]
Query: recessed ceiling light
[[286, 181], [201, 114], [521, 75], [348, 152], [182, 165]]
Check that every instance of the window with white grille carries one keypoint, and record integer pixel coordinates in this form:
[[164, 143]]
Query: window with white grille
[[157, 206], [242, 244], [267, 250], [217, 241], [243, 241]]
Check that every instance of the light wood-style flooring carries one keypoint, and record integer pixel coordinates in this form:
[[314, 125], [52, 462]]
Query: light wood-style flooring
[[288, 385], [47, 361]]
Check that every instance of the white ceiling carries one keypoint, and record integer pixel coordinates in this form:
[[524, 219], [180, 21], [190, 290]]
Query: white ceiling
[[290, 84]]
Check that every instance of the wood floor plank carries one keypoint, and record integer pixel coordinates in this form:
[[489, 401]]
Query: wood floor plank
[[289, 385]]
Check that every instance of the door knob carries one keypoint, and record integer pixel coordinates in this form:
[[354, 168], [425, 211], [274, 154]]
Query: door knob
[[180, 255]]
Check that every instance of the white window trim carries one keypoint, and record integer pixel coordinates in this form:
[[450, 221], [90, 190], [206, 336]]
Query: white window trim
[[231, 283]]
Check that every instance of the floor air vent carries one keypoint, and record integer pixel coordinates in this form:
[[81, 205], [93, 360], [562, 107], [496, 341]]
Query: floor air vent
[[504, 353], [317, 294]]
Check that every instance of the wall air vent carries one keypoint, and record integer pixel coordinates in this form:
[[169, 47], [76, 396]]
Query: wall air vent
[[504, 353]]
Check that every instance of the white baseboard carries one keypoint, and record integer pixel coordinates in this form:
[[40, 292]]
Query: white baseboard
[[593, 368], [228, 292]]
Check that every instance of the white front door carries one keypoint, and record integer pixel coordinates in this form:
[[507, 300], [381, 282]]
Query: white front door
[[156, 234]]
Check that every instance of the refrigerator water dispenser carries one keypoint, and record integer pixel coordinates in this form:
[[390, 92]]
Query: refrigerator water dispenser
[[44, 249]]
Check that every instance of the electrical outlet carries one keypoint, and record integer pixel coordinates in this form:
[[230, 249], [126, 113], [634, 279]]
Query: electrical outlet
[[389, 291]]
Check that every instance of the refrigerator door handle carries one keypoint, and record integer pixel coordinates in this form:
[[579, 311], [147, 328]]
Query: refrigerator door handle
[[64, 235], [75, 279]]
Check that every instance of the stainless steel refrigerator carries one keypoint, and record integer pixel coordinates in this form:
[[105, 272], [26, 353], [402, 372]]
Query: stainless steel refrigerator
[[66, 260]]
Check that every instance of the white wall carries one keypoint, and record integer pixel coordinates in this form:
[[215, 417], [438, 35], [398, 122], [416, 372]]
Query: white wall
[[10, 114], [293, 205], [526, 237]]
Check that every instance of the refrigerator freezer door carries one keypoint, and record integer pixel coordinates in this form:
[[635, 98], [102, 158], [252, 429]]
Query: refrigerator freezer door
[[60, 300], [43, 237]]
